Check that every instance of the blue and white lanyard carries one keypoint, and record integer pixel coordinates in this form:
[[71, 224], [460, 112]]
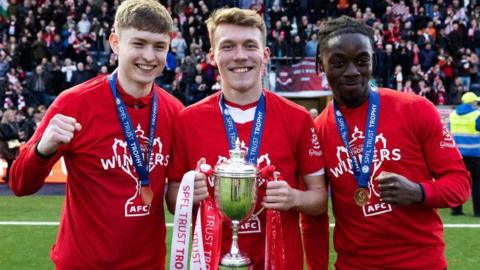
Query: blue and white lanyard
[[142, 167], [362, 171], [256, 133]]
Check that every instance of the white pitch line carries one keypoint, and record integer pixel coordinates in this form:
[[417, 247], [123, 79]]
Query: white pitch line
[[53, 223]]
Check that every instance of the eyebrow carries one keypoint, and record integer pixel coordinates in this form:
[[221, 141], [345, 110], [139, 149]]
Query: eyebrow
[[250, 40], [147, 41]]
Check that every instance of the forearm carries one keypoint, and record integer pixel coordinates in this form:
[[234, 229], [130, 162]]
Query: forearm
[[311, 202], [29, 171], [171, 196], [448, 191]]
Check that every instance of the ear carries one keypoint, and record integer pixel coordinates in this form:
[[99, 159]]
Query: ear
[[319, 68], [114, 41], [211, 57], [266, 55]]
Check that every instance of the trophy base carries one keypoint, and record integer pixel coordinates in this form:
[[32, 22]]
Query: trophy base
[[235, 262]]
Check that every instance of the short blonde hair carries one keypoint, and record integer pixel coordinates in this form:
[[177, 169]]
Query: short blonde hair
[[144, 15], [236, 16]]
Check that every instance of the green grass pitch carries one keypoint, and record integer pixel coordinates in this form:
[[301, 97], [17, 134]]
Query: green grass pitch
[[28, 247]]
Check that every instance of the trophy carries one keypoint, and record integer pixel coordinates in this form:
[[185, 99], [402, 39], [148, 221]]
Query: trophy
[[235, 196]]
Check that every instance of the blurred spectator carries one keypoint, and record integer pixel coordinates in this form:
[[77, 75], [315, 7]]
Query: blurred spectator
[[84, 25], [39, 49], [280, 47], [38, 85], [9, 139], [198, 90], [179, 46], [81, 75], [311, 46], [4, 66], [57, 47], [457, 89], [91, 66], [298, 47]]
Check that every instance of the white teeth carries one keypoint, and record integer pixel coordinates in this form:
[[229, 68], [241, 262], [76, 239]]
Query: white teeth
[[240, 70], [146, 67]]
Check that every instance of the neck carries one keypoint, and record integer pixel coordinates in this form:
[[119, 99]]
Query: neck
[[135, 90], [354, 103], [241, 98]]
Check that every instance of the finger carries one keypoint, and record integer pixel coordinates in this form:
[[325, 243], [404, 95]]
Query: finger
[[64, 118], [275, 192], [200, 184], [200, 177], [276, 184], [386, 194], [389, 200], [387, 186], [275, 206], [201, 197], [61, 139], [272, 199], [78, 126], [201, 192], [61, 131], [200, 162], [55, 122], [385, 179]]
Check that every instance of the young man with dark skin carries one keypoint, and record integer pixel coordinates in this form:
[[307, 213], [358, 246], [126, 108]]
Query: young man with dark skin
[[114, 133], [389, 161]]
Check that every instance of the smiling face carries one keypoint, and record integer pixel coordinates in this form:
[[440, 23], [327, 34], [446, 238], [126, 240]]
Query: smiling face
[[347, 62], [240, 56], [141, 57]]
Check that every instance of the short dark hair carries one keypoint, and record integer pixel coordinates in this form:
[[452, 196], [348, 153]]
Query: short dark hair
[[337, 27]]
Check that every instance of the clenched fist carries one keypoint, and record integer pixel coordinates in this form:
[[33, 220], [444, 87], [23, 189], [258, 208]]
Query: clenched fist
[[60, 130]]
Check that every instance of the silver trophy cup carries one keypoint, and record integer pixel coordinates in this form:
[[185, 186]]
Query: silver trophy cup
[[235, 196]]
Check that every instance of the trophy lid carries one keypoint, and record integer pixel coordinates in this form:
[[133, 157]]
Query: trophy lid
[[236, 166]]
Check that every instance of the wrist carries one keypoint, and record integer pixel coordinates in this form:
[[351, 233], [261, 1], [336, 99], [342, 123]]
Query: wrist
[[421, 199], [297, 201], [42, 154]]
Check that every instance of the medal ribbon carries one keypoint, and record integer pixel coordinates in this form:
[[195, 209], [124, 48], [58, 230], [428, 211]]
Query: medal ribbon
[[142, 167], [362, 171], [255, 134]]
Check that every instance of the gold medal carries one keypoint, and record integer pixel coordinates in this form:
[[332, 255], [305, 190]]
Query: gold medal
[[147, 194], [361, 197]]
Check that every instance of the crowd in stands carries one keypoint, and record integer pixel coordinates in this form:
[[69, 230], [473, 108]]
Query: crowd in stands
[[423, 47]]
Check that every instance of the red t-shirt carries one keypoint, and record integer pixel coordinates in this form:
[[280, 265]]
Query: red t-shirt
[[411, 141], [104, 224], [289, 143]]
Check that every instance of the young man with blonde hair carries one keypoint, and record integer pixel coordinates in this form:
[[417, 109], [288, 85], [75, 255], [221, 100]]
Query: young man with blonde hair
[[114, 133], [243, 109]]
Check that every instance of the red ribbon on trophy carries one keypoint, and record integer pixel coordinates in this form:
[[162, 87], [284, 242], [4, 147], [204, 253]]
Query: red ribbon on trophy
[[211, 221], [274, 243]]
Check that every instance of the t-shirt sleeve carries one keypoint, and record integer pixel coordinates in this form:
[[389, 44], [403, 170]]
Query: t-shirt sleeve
[[452, 184], [180, 155], [309, 153], [29, 170]]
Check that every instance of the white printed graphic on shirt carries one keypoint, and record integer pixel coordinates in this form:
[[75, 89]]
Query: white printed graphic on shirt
[[121, 158], [382, 153]]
